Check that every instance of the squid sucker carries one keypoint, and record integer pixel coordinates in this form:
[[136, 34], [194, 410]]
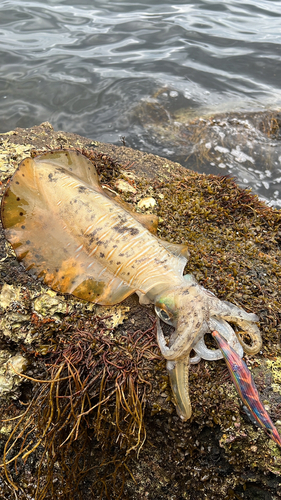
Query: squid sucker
[[79, 239]]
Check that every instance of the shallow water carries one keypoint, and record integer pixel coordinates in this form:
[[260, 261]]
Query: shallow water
[[94, 68]]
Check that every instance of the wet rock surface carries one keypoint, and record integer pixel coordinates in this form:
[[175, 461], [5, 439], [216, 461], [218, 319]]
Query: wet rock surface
[[104, 426]]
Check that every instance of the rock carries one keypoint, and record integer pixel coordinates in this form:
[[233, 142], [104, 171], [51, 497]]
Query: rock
[[234, 242], [51, 305], [9, 294], [124, 186], [148, 202], [10, 366]]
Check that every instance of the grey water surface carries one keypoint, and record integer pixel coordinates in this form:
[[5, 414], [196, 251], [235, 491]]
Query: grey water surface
[[143, 70]]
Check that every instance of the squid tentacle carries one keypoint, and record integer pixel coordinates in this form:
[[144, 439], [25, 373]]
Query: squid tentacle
[[178, 373], [246, 321], [253, 331], [227, 332], [202, 313], [180, 347], [193, 360]]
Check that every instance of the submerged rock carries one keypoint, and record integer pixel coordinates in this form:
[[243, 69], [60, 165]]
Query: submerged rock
[[245, 145]]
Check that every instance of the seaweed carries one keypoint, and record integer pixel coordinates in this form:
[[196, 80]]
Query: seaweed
[[93, 391], [234, 240]]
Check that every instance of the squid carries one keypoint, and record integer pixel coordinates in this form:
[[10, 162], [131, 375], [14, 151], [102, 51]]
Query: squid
[[82, 239]]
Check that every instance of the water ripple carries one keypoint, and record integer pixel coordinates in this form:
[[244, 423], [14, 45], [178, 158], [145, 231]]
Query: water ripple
[[88, 67]]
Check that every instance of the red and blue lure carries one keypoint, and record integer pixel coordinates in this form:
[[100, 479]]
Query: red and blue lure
[[246, 388]]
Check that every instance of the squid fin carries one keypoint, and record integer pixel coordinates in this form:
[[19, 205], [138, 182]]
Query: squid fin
[[38, 240], [74, 163]]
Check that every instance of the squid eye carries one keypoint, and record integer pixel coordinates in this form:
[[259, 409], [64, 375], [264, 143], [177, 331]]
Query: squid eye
[[164, 315]]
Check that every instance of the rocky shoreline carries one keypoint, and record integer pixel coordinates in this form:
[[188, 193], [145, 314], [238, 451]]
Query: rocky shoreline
[[128, 440]]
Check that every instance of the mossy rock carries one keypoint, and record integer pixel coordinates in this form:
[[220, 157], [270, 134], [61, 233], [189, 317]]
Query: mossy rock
[[104, 424]]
